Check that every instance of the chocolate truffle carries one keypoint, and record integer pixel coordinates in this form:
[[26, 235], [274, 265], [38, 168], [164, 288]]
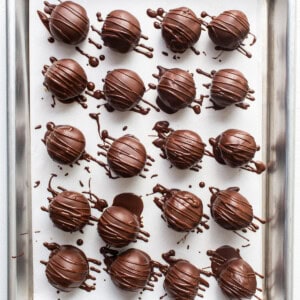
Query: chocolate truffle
[[236, 148], [182, 279], [69, 211], [68, 22], [127, 156], [123, 89], [176, 89], [131, 270], [229, 29], [180, 27], [235, 276], [67, 268], [183, 148], [65, 79], [182, 210], [65, 144], [121, 32]]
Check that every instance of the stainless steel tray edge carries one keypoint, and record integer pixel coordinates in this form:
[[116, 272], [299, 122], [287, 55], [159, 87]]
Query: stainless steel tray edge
[[279, 153]]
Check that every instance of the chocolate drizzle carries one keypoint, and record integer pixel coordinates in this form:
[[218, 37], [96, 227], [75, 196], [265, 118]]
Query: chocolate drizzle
[[228, 87], [67, 22], [229, 30], [93, 61], [235, 276], [236, 148], [180, 27], [183, 279], [66, 79], [231, 210], [131, 270], [68, 268], [183, 148], [176, 90], [121, 223], [121, 32], [182, 210]]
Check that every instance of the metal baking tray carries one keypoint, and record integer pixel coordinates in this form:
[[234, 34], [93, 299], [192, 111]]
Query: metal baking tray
[[278, 134]]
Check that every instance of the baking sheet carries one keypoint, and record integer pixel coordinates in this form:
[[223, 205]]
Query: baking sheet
[[208, 124]]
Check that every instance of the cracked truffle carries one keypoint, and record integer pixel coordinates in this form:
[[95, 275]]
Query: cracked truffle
[[65, 143]]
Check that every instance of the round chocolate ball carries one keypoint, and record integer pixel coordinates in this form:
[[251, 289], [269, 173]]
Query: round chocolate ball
[[67, 268], [127, 156], [182, 280], [69, 23], [229, 29], [182, 210], [231, 210], [123, 89], [131, 270], [184, 148], [176, 90], [118, 226], [234, 148], [181, 29], [65, 79], [121, 31], [237, 279], [65, 143], [228, 87], [69, 211]]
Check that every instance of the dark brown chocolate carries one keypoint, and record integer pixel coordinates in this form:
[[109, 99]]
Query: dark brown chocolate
[[236, 148], [120, 224], [67, 22], [180, 27], [127, 156], [183, 148], [123, 89], [183, 279], [65, 144], [65, 79], [231, 210], [121, 32], [228, 30], [182, 210], [235, 276], [229, 87], [68, 268], [176, 89], [131, 270]]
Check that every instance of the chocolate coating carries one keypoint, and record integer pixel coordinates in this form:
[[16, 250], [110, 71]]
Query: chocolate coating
[[184, 148], [182, 210], [67, 268], [68, 22], [176, 89], [230, 209], [127, 156], [118, 226], [121, 31], [65, 79], [229, 29], [123, 89], [65, 144], [234, 148], [228, 87], [131, 270], [69, 211], [181, 29]]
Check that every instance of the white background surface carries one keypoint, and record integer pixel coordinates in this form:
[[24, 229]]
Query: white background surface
[[3, 159]]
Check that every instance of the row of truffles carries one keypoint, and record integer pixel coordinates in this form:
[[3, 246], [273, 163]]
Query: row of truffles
[[133, 270], [123, 89], [121, 31], [127, 157]]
